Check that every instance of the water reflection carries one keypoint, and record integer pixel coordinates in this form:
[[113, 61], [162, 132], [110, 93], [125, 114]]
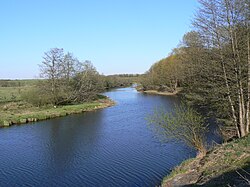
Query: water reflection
[[65, 135]]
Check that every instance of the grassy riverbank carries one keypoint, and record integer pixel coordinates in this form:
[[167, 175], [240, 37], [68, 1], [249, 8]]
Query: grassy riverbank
[[14, 109], [226, 165], [157, 92], [161, 93], [21, 112]]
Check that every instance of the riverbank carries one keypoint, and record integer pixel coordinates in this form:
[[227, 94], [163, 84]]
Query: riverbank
[[21, 112], [226, 165], [166, 93]]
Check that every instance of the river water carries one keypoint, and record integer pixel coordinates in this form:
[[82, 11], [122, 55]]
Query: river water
[[109, 147]]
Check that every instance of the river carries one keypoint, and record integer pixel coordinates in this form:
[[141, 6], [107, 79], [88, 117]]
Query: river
[[109, 147]]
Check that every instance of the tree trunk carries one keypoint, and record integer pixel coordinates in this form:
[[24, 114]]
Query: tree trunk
[[248, 81], [237, 65]]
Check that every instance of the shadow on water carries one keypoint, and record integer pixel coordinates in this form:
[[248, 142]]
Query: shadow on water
[[65, 133]]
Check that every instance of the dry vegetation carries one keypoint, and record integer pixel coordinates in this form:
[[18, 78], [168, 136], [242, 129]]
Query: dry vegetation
[[225, 165]]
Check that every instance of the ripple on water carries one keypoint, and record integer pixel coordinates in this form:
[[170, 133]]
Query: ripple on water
[[109, 147]]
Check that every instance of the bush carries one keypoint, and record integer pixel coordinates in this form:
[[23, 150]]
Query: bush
[[36, 97], [182, 124]]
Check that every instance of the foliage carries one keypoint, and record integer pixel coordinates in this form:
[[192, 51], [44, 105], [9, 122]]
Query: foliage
[[122, 80], [216, 59], [212, 64], [164, 75], [86, 83], [182, 124], [65, 80], [36, 96]]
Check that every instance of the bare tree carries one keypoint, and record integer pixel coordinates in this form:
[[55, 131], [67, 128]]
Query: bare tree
[[87, 82], [51, 70], [69, 66]]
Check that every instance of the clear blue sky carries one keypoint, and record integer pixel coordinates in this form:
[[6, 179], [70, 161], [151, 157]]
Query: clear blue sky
[[118, 36]]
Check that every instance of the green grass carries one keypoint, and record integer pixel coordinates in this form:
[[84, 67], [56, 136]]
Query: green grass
[[21, 112], [11, 90], [13, 110], [18, 83], [12, 94], [9, 94]]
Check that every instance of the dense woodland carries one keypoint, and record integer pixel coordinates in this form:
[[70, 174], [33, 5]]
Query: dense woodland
[[212, 64]]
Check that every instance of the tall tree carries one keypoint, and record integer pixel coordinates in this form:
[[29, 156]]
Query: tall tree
[[67, 79], [51, 70], [223, 27]]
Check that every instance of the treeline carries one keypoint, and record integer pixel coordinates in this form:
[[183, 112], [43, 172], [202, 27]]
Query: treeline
[[67, 80], [120, 80], [164, 75], [212, 64]]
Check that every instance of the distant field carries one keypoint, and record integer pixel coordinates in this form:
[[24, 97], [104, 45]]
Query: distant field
[[11, 90], [18, 83], [12, 94]]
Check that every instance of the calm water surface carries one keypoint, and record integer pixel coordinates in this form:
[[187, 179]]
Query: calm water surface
[[109, 147]]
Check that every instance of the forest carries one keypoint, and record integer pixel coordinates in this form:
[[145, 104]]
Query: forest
[[211, 65]]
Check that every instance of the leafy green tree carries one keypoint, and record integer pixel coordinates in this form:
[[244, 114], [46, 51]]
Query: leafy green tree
[[165, 75]]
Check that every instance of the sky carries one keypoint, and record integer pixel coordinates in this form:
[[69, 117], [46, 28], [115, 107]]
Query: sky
[[117, 36]]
